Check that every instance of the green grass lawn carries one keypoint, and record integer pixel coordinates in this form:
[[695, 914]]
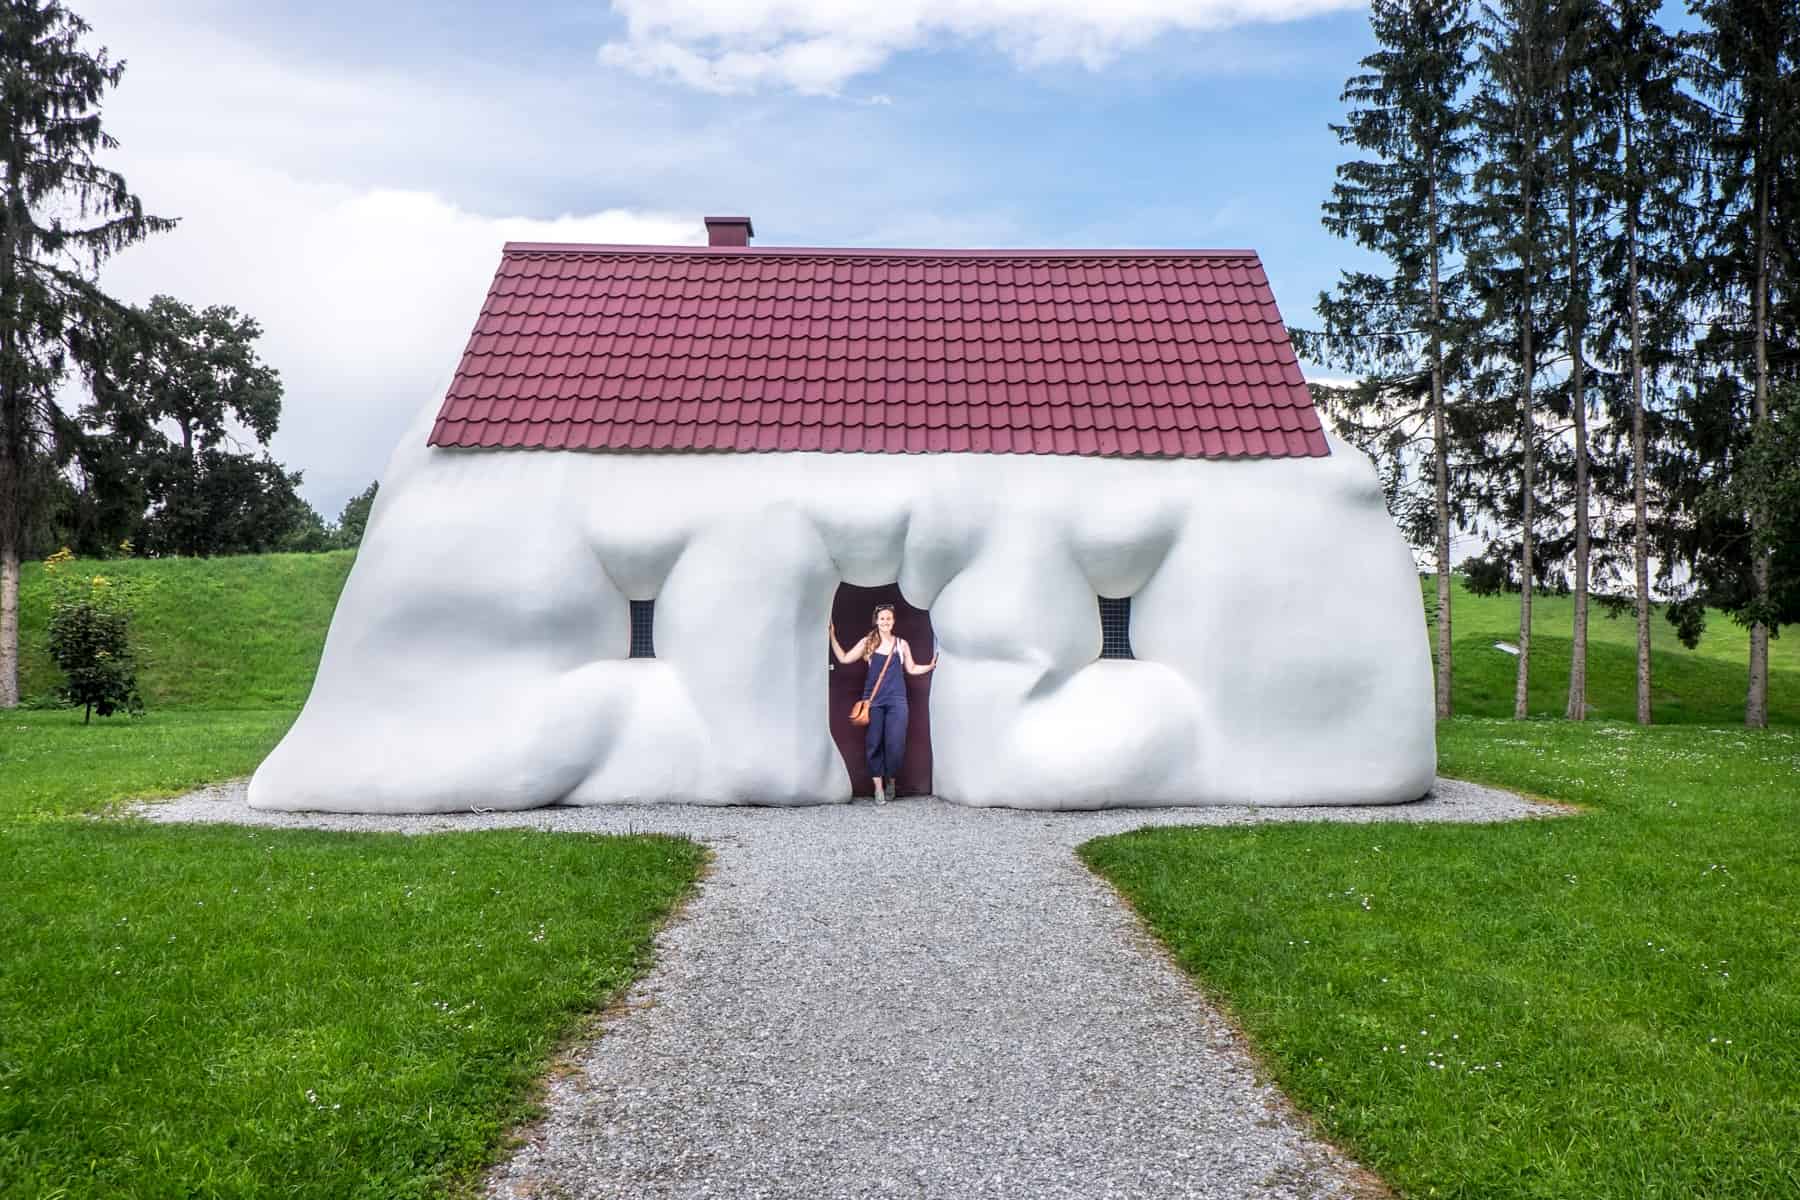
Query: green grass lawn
[[51, 764], [1596, 1006], [1704, 685], [224, 1012]]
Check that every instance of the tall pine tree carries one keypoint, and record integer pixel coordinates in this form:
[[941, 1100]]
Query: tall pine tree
[[1646, 121], [1509, 235], [1392, 327], [1582, 204], [61, 214], [1747, 57]]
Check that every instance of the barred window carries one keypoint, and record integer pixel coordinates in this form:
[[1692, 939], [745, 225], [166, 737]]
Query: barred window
[[1115, 627], [642, 645]]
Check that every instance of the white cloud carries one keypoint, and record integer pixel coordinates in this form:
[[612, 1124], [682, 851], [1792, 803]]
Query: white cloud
[[817, 46], [454, 126], [366, 296]]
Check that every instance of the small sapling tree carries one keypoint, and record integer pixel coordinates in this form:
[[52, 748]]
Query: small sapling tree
[[90, 638]]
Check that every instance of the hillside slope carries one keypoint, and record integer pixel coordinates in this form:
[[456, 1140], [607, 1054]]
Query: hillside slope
[[1700, 686], [238, 632], [246, 632]]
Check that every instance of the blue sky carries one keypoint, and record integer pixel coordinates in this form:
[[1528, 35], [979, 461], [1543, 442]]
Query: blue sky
[[347, 172]]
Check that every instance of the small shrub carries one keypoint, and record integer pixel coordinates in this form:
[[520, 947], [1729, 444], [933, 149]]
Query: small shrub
[[1487, 575], [1688, 616], [90, 638]]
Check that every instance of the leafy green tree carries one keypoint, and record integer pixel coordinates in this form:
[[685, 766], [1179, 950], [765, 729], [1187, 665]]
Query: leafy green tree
[[1392, 327], [197, 370], [309, 534], [61, 215], [90, 638], [355, 517], [97, 498], [1747, 70], [216, 502]]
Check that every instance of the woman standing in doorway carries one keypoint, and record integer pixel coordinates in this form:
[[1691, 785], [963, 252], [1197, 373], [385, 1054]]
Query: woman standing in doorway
[[886, 693]]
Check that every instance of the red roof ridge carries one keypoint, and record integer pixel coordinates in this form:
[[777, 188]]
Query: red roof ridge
[[599, 249]]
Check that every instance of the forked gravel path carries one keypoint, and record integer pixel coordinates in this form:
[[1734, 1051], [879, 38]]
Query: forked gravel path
[[912, 1000]]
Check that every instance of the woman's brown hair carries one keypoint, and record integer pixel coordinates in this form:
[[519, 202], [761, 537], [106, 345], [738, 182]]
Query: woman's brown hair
[[873, 641]]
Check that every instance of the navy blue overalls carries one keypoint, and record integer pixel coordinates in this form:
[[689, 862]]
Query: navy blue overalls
[[886, 737]]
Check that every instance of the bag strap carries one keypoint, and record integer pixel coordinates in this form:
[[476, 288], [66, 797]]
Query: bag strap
[[882, 674]]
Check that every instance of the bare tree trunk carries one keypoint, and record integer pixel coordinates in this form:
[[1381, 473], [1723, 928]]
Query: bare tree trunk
[[1527, 132], [10, 488], [1578, 652], [1577, 706], [1440, 455], [1522, 681], [1641, 532], [1756, 702], [12, 466], [9, 624]]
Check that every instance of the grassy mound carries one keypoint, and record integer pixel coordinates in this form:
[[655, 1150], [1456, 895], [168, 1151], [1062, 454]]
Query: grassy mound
[[229, 633], [1704, 685]]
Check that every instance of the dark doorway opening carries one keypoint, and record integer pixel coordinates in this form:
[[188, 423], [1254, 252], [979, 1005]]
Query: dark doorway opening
[[850, 613]]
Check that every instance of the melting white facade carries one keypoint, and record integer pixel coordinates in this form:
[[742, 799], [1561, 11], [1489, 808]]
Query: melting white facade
[[477, 658]]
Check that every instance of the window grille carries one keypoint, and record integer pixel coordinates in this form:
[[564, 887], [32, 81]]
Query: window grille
[[642, 613], [1115, 627]]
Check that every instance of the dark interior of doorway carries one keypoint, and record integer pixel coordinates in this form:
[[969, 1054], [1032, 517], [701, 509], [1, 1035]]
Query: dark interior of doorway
[[850, 612]]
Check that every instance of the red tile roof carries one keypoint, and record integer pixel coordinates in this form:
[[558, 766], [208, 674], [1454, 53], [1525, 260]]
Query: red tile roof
[[1107, 352]]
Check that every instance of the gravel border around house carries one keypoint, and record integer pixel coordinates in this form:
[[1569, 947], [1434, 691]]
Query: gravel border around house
[[225, 803], [916, 1000]]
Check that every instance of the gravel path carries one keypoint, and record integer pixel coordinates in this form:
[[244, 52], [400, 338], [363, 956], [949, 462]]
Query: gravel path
[[913, 1000]]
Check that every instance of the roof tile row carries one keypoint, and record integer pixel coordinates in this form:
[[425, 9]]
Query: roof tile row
[[518, 293], [1163, 383], [754, 437], [928, 416]]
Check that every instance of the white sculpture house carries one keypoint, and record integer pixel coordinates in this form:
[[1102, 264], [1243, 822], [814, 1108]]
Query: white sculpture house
[[600, 570]]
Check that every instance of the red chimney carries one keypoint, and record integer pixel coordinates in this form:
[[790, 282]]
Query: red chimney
[[729, 231]]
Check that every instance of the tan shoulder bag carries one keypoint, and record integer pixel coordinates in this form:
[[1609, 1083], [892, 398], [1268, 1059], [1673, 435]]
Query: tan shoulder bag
[[859, 712]]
